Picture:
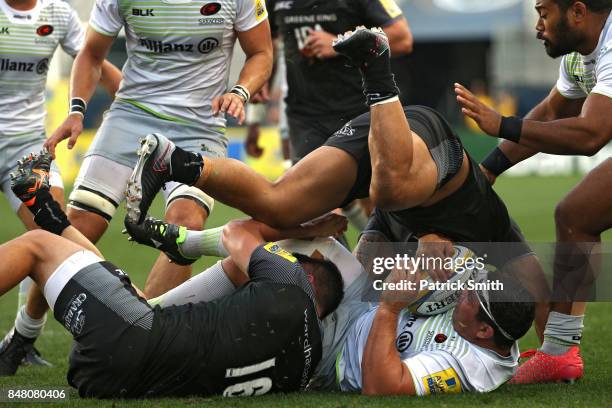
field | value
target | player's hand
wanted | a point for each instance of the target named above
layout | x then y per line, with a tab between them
396	300
263	95
231	104
330	224
252	139
490	176
434	249
319	43
71	128
487	119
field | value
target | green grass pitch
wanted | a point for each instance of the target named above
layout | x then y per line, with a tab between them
530	200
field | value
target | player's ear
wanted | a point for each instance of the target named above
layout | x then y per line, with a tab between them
485	331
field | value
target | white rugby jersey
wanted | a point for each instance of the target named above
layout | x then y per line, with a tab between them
439	359
28	40
579	75
179	52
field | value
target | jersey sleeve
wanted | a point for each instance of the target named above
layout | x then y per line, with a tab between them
380	13
566	85
272	263
249	13
75	35
105	18
604	72
435	372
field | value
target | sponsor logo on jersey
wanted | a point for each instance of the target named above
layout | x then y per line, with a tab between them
44	30
161	47
442	382
74	317
7	64
207	45
212	21
440	338
143	12
43	66
307	354
4	31
210	9
22	17
283	5
404	339
274	248
260	9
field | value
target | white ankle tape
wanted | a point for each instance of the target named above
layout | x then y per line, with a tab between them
393	99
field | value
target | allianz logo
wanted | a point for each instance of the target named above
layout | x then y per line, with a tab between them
205	46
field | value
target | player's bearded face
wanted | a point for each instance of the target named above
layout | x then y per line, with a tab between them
559	38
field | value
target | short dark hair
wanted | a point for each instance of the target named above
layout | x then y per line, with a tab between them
328	284
596	6
512	308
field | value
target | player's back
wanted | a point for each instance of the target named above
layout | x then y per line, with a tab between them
263	338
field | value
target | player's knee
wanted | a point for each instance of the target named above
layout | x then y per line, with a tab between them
186	213
36	239
90	201
566	216
190	193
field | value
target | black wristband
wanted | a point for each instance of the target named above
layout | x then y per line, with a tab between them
496	162
511	128
78	105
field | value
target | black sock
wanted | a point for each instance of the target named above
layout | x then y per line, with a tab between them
48	214
378	82
186	166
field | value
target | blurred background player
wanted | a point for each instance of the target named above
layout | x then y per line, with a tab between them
323	93
175	81
575	118
31	32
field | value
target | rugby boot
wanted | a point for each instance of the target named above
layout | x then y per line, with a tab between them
544	368
33	357
13	349
162	236
368	49
152	170
31	176
362	46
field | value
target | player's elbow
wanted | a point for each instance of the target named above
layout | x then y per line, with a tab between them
377	388
403	45
595	144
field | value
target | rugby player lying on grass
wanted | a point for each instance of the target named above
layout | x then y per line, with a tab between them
378	350
264	337
408	160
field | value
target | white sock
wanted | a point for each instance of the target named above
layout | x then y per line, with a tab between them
209	285
562	332
24	288
28	327
208	242
356	216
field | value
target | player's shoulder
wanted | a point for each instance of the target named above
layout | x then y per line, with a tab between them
60	5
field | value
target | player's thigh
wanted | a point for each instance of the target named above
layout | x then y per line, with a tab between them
589	205
318	183
100	186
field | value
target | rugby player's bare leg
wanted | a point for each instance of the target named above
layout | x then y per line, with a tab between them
90	224
318	183
36	254
165	275
580	218
36	305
